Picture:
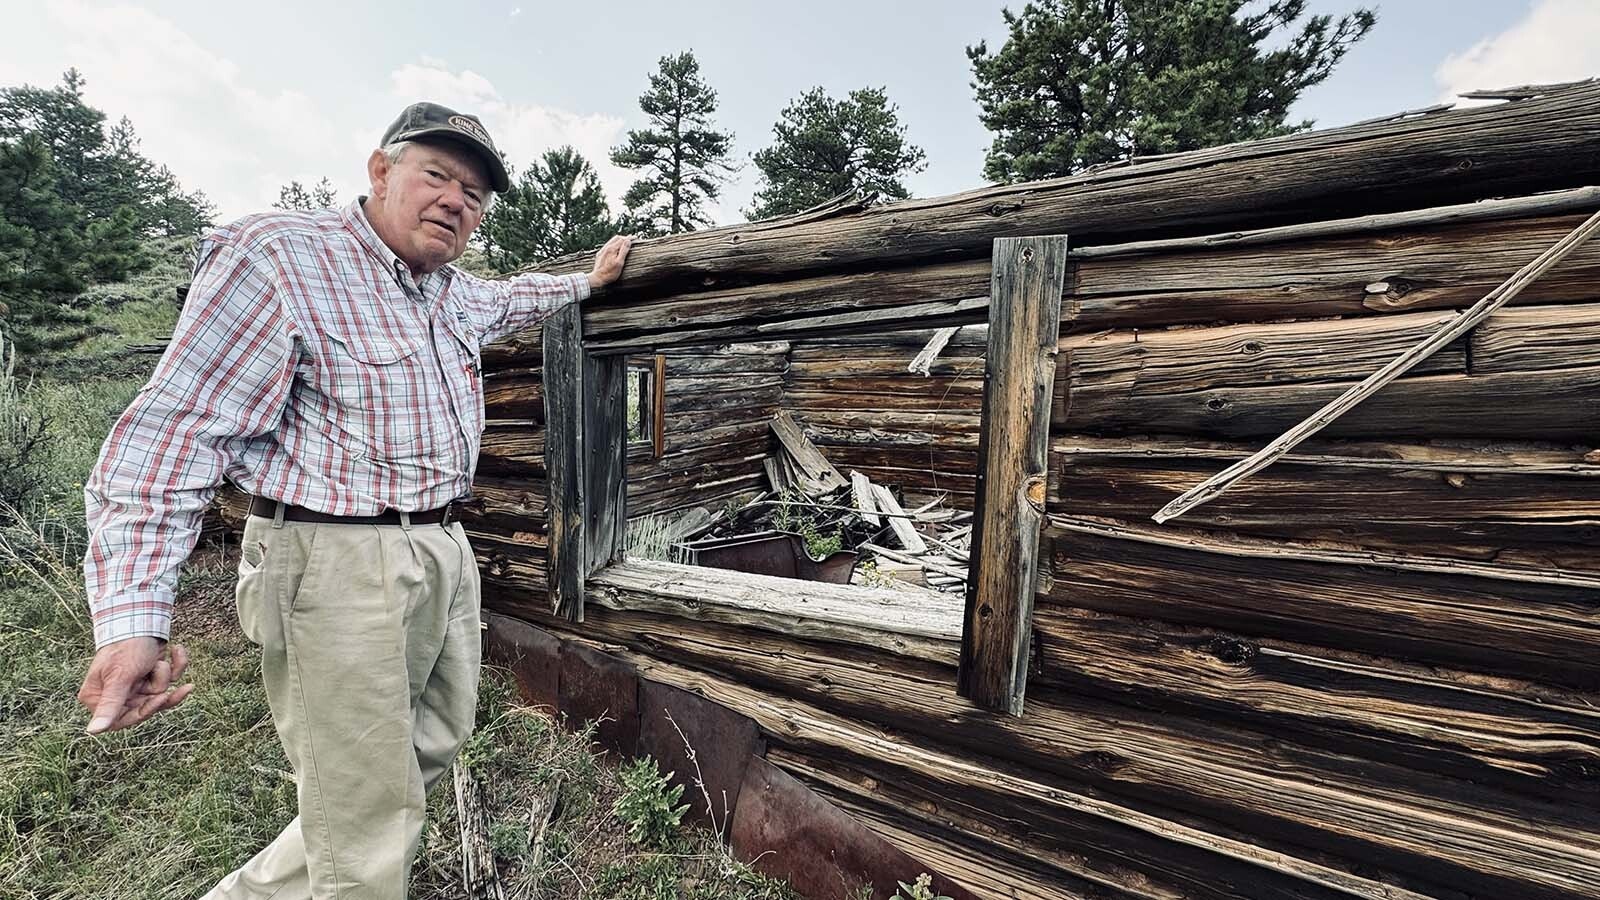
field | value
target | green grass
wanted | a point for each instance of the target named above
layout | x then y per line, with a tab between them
166	809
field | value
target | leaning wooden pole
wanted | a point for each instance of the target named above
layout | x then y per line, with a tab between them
1024	325
1500	296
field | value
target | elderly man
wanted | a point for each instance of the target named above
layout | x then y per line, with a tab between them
326	363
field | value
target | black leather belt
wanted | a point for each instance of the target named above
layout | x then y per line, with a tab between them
267	509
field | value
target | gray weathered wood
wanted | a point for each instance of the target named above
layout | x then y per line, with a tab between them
819	475
865	498
1405	362
604	448
898	520
1582	199
563	396
1515	148
1025	318
924	361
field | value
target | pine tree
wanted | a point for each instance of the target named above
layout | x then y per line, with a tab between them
825	147
556	207
294	195
1082	82
96	171
684	158
41	246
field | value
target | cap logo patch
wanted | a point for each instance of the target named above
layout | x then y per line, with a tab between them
462	123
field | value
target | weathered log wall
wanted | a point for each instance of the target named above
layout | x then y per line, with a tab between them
1401	616
718	401
862	407
1366	672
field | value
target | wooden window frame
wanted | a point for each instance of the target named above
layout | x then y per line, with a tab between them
652	404
586	456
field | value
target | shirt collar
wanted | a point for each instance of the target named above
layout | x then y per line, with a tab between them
354	217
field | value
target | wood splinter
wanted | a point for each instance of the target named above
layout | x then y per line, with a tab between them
1322	418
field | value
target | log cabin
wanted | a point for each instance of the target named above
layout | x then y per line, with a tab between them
1369	671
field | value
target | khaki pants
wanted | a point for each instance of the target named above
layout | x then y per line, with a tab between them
370	650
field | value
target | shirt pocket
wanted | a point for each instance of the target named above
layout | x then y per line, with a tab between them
378	386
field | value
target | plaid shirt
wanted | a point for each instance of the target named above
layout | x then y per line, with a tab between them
307	366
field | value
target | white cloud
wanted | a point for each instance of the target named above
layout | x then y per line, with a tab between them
197	113
522	131
516	11
1559	40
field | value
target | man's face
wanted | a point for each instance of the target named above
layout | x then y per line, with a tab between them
428	202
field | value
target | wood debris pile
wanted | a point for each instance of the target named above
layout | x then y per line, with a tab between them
830	514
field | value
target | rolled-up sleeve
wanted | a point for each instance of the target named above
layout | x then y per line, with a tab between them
225	377
499	308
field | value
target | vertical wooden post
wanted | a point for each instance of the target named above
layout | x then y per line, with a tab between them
585	450
658	407
1024	324
563	457
605	460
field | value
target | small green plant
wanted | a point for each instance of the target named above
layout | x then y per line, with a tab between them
872	576
921	889
510	840
819	545
648	804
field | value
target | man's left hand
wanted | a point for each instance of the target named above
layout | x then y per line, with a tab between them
608	262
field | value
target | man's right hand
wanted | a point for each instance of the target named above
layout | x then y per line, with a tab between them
131	680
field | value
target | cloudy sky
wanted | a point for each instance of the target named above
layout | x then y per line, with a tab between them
238	99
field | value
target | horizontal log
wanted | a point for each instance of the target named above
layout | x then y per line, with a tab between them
886	434
882	290
1584	200
1537	338
688	425
1455	156
766	397
950	422
1556	405
1471	516
712	495
802	402
512	565
524	348
1449	614
805	364
1065	839
1453	457
1359	275
1129	365
687	448
1463	837
1434	721
721	383
514	504
885	455
685	365
890	390
908	341
953	312
964	852
511	447
695	478
514	394
879	618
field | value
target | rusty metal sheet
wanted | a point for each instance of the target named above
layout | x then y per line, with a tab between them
532	654
782	828
724	742
600	688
